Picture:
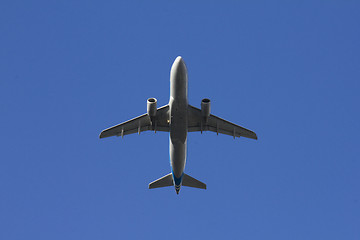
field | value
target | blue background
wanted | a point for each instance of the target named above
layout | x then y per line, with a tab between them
288	71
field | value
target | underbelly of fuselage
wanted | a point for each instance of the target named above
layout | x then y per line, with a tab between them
178	137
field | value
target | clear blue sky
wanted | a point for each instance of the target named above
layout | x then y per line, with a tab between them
288	71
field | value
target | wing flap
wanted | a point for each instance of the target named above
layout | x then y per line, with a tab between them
215	124
140	124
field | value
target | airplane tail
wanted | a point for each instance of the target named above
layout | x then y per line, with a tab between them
167	181
192	182
164	181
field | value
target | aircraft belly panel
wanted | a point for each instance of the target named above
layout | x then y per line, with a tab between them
177	157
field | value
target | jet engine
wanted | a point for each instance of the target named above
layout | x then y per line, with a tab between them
151	107
205	108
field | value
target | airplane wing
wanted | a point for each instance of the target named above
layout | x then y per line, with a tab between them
196	122
140	124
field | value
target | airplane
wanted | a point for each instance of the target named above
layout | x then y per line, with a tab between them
178	118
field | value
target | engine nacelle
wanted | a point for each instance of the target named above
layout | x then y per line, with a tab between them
151	107
205	108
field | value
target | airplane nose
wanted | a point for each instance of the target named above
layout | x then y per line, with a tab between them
179	64
179	59
178	78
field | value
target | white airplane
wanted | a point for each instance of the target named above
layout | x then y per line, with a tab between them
178	118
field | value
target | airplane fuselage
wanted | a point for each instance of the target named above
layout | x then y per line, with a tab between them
178	120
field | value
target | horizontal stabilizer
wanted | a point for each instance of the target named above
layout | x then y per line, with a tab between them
164	181
192	182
